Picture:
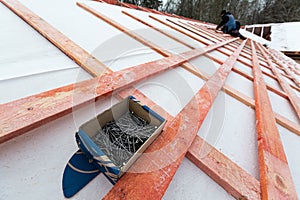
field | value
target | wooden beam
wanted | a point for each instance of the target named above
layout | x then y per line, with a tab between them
245	53
123	29
158	30
81	57
228	184
286	123
292	96
285	69
230	176
235	180
20	116
166	162
275	177
247	76
295	128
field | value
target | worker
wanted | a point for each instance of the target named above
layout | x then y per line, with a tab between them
229	26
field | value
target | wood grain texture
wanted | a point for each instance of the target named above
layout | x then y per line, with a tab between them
152	184
292	96
277	59
158	30
67	46
275	177
20	116
235	180
288	124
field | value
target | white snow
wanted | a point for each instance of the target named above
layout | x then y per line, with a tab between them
285	36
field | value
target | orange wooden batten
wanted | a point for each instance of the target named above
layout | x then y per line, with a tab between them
278	92
22	115
275	177
246	55
254	186
235	180
280	119
227	184
81	57
158	30
234	69
285	69
294	99
153	184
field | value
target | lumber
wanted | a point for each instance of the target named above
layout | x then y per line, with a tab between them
292	96
275	177
235	180
158	30
80	56
20	116
164	165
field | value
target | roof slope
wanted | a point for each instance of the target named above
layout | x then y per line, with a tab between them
207	84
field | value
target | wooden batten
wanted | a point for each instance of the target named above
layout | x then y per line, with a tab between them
275	177
292	96
134	185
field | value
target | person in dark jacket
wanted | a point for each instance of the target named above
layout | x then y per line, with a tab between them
229	26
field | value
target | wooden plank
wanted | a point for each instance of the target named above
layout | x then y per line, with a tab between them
238	194
249	77
20	116
235	180
293	127
158	30
81	57
288	124
277	60
230	176
123	29
292	96
198	39
153	183
275	177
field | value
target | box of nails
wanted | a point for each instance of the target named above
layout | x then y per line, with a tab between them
114	139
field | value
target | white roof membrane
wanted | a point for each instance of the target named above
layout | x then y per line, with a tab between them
244	85
171	90
282	106
291	145
230	128
30	64
32	165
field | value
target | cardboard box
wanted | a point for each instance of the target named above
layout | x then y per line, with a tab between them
105	140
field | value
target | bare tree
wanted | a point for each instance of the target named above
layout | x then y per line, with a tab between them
246	11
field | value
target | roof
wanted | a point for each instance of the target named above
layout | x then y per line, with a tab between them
65	54
283	35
